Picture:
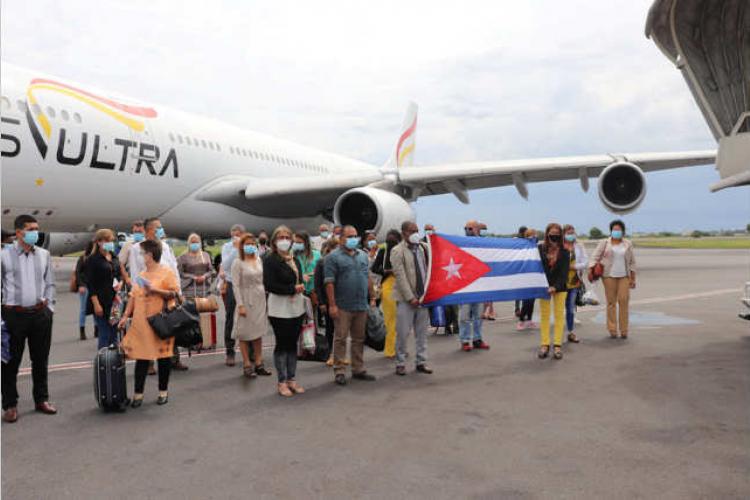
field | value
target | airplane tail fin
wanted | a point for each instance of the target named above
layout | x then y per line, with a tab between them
403	151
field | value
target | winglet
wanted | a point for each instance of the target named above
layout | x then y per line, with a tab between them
403	152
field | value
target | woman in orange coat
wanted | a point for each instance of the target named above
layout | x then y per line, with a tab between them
151	288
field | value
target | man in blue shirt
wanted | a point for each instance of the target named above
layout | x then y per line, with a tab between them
348	288
228	254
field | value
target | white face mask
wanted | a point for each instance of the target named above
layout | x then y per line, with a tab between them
283	244
414	238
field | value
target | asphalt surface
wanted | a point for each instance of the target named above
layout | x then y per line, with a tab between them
665	413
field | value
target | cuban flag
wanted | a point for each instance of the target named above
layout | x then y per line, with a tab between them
465	270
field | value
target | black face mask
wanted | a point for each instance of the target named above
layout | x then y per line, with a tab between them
554	238
391	243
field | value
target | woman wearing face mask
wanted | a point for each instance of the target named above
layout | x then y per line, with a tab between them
556	262
250	321
307	258
102	269
282	277
618	260
152	287
383	268
196	269
578	263
83	292
370	245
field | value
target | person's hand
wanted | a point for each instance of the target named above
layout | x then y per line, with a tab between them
200	279
333	312
551	290
305	278
98	310
414	302
117	287
121	324
82	290
632	284
299	288
242	311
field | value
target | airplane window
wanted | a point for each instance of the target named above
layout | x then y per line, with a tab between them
76	118
195	142
64	115
6	102
210	145
171	136
231	149
244	152
179	138
36	109
203	143
218	147
187	140
50	112
21	106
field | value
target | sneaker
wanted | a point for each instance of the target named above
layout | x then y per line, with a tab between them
466	347
481	344
521	326
401	370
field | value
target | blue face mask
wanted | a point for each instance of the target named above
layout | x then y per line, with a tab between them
482	232
108	246
325	235
570	237
371	244
31	237
160	233
138	237
249	249
352	242
616	234
194	247
429	232
298	247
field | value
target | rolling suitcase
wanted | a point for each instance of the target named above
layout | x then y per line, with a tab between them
208	330
110	387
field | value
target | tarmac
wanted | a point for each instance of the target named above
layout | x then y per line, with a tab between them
665	413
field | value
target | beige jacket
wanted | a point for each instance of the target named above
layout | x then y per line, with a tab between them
404	270
604	254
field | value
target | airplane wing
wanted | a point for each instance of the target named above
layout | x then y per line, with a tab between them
307	196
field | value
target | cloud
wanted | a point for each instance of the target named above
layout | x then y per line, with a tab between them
494	80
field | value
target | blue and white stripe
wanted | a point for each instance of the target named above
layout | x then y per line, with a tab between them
516	271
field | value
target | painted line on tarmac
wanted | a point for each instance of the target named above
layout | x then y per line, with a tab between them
77	365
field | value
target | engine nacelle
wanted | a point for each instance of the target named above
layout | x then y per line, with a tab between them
372	209
64	243
622	187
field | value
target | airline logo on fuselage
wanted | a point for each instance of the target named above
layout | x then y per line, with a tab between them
148	155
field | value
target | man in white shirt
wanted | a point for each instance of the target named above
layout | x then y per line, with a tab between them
154	231
28	298
124	255
323	235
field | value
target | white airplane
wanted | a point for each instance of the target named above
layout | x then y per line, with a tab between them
80	159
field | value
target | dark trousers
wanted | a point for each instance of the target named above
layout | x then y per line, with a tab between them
286	331
329	330
527	310
141	370
36	327
229	306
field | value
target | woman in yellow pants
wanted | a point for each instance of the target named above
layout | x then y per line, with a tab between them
382	266
556	263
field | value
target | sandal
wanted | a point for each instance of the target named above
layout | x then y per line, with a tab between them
572	337
248	372
557	353
543	352
261	370
284	390
295	387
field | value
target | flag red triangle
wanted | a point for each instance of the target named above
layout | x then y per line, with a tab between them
452	269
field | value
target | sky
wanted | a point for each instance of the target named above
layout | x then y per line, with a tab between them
494	80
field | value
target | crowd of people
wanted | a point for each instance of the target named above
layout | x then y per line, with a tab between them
286	281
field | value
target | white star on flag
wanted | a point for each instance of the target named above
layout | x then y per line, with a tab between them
453	270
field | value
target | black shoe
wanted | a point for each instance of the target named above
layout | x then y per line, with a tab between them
136	403
261	370
424	369
179	366
364	376
340	379
83	333
162	400
401	370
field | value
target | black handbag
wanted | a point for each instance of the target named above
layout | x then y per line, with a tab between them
579	297
168	322
190	338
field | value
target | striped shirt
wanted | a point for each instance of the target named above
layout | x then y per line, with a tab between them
27	278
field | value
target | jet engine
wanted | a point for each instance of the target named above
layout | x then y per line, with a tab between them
372	209
64	243
622	187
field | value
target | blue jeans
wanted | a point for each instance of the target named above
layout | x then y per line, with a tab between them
107	334
470	314
84	300
570	308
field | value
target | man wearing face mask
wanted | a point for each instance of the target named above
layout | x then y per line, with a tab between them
470	314
229	252
323	235
263	244
410	262
347	290
153	231
137	231
28	298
